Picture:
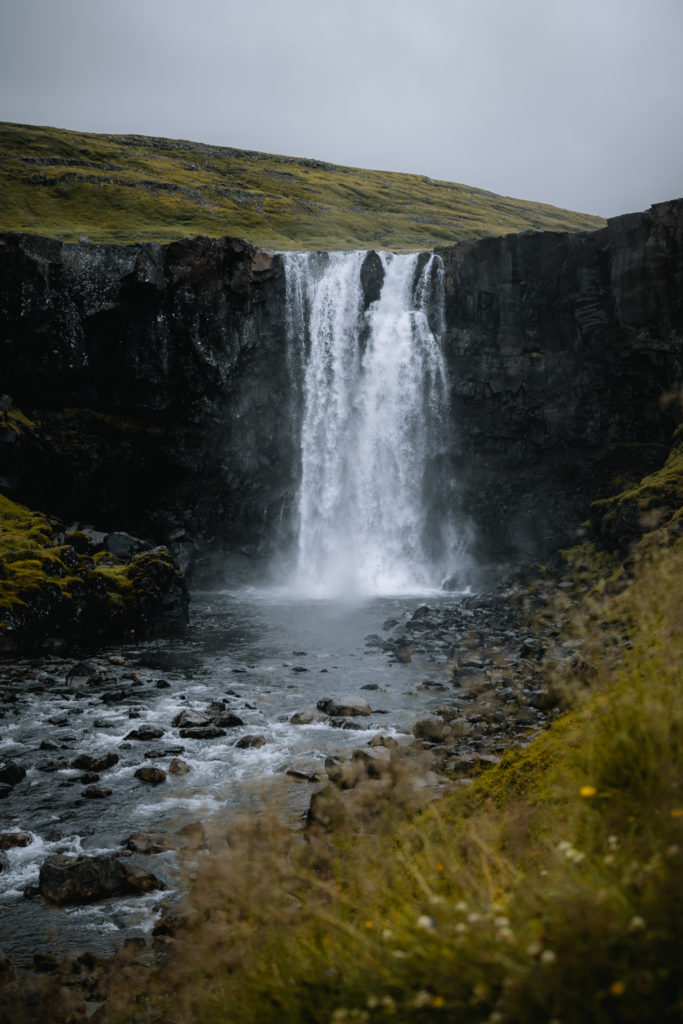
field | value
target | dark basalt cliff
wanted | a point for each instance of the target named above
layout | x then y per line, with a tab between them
565	356
155	384
157	395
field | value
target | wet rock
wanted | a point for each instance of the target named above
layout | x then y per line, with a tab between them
115	697
153	776
178	767
345	707
82	670
95	763
5	790
48	745
302	718
542	699
383	741
209	732
429	729
76	880
96	793
123	546
373	640
89	777
164	752
145	732
53	765
11	840
194	832
299	776
189	719
162	684
11	773
228	720
149	842
251	742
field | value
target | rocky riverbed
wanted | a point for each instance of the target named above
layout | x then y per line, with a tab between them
112	764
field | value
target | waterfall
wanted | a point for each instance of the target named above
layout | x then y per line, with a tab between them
372	389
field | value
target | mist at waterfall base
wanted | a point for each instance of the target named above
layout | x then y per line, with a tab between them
369	402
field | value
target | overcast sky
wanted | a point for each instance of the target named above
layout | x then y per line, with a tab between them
578	103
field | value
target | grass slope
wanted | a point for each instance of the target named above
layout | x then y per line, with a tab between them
129	188
550	890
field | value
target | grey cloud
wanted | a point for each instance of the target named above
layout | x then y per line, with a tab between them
575	103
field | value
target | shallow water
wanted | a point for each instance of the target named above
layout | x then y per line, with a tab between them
267	656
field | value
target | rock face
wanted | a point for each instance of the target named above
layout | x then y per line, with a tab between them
172	362
561	351
168	358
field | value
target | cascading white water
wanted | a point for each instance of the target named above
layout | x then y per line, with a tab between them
374	398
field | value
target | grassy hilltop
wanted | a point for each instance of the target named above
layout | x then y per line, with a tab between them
130	188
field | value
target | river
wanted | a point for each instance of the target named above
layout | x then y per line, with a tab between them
264	653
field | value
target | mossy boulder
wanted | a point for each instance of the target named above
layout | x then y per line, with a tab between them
55	589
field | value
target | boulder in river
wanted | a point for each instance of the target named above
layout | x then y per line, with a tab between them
11	773
178	766
189	719
348	706
302	718
10	840
153	776
207	732
149	842
94	763
96	793
145	732
65	879
228	720
251	742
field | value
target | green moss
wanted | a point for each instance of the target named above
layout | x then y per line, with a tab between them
129	188
657	497
48	587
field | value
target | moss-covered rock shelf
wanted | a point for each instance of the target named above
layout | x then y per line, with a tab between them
66	585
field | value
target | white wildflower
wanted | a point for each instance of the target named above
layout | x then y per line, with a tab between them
425	923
